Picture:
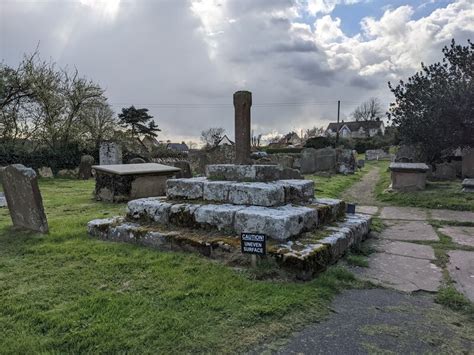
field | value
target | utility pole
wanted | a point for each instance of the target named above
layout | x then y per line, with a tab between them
337	132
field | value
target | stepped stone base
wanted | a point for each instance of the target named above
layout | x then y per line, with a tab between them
306	256
254	173
268	194
278	223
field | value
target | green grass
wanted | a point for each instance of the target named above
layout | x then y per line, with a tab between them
449	297
437	195
357	260
334	185
67	293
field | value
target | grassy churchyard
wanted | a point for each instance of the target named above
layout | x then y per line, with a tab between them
66	292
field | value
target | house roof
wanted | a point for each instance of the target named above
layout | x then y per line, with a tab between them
225	140
179	147
356	125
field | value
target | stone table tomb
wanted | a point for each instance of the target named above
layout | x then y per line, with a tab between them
408	176
118	183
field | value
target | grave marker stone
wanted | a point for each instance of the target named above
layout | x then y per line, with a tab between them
24	198
110	153
85	167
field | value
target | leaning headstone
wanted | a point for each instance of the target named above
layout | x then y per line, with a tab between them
45	172
307	161
360	163
468	163
24	198
110	153
85	167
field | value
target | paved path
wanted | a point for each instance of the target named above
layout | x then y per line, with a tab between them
362	192
402	262
384	321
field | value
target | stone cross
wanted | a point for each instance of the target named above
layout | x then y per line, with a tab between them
24	198
242	104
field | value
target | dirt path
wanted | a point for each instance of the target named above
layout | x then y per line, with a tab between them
363	192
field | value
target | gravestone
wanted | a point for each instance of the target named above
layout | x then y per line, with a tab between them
3	200
85	167
317	160
445	171
110	153
468	185
137	161
377	154
24	198
409	153
242	104
45	172
185	169
346	161
468	163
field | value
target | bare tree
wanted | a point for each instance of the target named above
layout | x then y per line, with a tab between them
212	136
370	110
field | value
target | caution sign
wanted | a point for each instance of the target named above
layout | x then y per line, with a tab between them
252	243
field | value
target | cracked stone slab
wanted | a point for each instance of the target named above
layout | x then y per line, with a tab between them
411	250
188	189
402	273
278	223
409	230
461	269
460	235
455	216
256	194
371	210
407	213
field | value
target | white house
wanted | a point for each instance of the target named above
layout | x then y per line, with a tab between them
356	129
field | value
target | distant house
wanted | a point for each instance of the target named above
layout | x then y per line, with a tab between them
150	143
225	141
356	129
178	147
289	139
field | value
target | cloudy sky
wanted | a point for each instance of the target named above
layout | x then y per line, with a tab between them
183	59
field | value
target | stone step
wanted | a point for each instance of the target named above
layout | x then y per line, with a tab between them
250	173
280	223
305	256
263	194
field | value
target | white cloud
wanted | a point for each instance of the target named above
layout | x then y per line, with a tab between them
315	7
200	51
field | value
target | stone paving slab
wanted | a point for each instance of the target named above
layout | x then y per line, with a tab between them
455	216
409	230
402	273
407	213
460	235
371	210
461	269
404	249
